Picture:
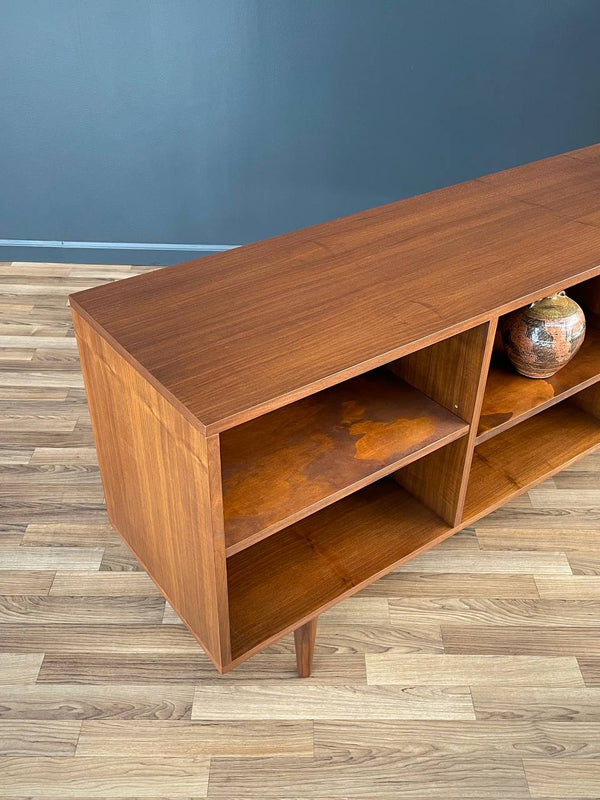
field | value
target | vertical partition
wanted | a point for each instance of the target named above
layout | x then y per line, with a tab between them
453	373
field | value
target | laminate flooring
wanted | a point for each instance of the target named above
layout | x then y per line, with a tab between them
471	672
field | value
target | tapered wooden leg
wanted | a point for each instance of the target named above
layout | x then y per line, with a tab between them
304	639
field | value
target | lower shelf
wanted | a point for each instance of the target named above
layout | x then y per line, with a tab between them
517	459
275	584
278	583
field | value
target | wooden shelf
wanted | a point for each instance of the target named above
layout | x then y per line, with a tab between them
247	427
302	570
285	465
514	461
510	398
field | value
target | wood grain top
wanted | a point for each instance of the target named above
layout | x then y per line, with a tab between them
230	336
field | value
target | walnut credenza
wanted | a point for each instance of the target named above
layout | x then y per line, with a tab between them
281	424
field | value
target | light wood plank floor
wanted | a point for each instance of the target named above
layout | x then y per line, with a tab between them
472	672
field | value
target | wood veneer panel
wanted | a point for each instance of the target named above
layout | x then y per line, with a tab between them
589	400
50	558
536	703
510	397
14	581
569	188
230	336
517	459
444	585
288	700
453	372
569	587
191	668
286	464
36	611
63	778
122	738
159	488
427	669
448	371
485	738
576	778
286	579
65	701
380	775
587	294
82	583
590	669
528	640
461	613
26	738
75	637
19	668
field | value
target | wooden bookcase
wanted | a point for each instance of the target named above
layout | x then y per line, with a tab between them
280	425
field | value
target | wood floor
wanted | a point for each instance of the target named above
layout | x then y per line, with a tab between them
472	672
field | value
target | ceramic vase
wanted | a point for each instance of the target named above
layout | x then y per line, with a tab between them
543	337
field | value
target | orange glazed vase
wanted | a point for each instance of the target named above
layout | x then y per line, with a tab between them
543	337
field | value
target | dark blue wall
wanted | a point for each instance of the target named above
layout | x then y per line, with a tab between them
225	121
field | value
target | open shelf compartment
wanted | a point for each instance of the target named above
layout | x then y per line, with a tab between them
285	465
297	573
519	458
511	398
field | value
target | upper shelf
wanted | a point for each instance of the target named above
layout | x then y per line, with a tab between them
286	464
510	397
231	336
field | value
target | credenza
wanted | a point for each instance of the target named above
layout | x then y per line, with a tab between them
281	424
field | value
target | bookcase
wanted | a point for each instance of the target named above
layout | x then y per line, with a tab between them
280	425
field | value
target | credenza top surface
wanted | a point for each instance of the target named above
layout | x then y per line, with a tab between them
232	335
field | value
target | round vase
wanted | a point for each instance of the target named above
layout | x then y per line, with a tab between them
543	337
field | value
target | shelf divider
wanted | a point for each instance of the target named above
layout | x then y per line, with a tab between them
453	372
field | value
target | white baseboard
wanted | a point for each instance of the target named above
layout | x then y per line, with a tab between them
210	248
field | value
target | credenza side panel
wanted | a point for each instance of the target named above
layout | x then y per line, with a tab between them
162	489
